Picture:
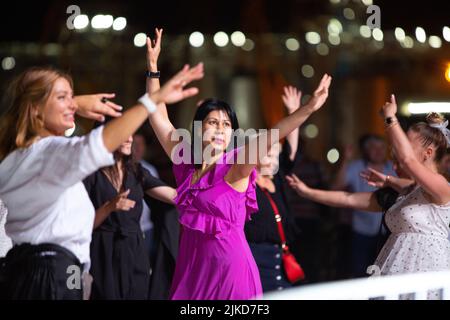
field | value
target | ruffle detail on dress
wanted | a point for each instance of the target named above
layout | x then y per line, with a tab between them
251	204
205	223
186	192
191	217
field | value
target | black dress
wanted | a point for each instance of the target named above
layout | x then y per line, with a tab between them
263	227
166	240
119	260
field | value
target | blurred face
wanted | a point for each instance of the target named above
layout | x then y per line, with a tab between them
58	113
376	151
139	147
270	163
125	147
397	168
422	153
217	130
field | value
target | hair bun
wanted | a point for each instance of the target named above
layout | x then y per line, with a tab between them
435	118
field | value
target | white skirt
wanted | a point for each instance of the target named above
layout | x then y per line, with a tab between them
412	253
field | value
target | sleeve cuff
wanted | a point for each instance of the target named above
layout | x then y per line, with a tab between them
103	156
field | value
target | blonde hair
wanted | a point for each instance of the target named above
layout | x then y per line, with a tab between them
19	126
435	118
430	135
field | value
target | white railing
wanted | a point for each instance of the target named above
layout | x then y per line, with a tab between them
393	287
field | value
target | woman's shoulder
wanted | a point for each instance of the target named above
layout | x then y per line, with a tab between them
96	179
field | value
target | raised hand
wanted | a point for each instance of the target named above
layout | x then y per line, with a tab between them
121	202
173	91
374	178
390	108
97	106
154	49
320	94
291	98
296	184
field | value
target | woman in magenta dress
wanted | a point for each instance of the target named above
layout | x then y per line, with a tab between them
214	260
216	195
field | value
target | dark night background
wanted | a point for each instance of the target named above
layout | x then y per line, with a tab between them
365	72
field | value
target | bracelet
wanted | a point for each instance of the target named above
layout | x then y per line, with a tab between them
390	121
393	123
148	103
387	178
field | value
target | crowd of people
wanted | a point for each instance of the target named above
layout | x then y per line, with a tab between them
228	230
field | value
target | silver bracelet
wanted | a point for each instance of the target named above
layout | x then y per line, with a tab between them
148	103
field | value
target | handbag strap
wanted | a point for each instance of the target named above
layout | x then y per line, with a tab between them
277	219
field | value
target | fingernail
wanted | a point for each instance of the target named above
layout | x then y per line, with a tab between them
120	107
102	119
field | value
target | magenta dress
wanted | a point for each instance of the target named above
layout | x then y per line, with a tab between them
214	260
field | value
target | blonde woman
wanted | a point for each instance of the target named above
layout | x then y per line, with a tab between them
50	216
419	219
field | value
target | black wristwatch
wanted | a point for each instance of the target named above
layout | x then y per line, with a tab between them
153	75
389	120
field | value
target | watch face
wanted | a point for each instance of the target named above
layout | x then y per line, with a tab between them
152	74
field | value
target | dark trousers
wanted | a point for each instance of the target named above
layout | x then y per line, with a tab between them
268	259
120	265
40	272
149	242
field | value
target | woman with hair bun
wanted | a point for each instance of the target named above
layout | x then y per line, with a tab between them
419	219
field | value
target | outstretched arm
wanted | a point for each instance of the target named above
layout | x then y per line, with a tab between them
163	193
161	124
153	51
160	121
433	183
291	99
118	130
378	179
365	201
239	173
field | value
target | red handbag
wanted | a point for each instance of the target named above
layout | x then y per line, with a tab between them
292	268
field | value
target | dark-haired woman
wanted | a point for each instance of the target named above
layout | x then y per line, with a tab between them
216	196
119	259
